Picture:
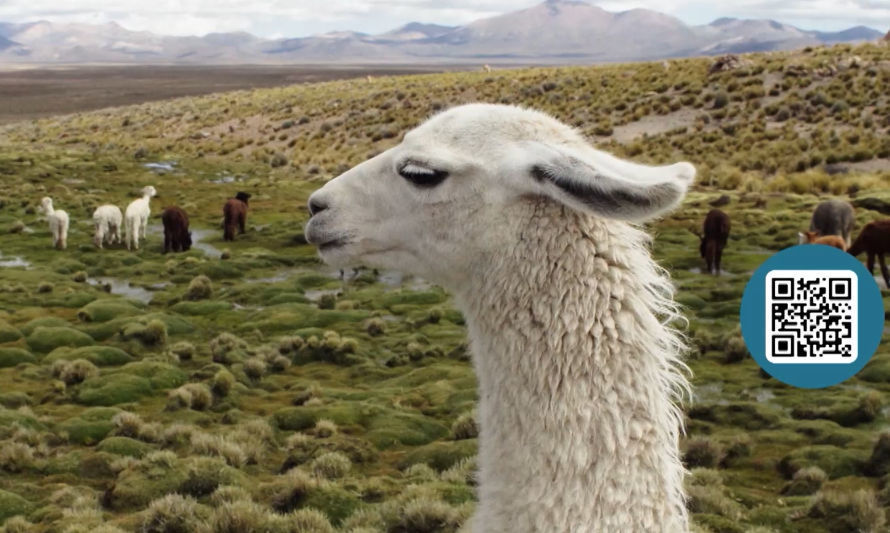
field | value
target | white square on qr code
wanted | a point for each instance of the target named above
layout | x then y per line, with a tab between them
811	316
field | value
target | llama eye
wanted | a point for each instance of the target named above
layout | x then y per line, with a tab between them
422	176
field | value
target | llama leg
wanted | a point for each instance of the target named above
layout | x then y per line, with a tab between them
167	242
242	218
871	263
884	271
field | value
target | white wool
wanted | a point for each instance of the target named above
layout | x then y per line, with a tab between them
534	231
58	223
136	218
107	220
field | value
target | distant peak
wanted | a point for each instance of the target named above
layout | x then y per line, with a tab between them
722	21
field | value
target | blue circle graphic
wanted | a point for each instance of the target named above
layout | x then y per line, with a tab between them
812	316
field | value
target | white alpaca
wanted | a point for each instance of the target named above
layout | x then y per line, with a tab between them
136	218
107	220
58	223
534	232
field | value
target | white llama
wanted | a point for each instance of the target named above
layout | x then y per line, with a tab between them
107	220
136	218
58	223
534	232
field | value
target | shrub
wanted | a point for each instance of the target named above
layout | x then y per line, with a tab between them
227	348
154	333
172	513
183	350
465	426
331	465
325	428
255	368
842	511
702	452
204	475
200	288
222	383
805	481
73	372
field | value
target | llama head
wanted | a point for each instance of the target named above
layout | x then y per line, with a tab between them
807	237
458	186
46	204
243	196
149	191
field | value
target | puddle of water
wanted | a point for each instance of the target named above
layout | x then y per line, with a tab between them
239	307
14	261
161	166
198	235
695	270
123	288
224	178
316	294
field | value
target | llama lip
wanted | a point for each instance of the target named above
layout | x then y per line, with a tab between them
330	245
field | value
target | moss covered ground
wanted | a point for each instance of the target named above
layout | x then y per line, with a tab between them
252	384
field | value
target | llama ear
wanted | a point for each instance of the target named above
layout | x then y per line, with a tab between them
593	181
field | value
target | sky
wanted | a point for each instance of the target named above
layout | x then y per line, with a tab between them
296	18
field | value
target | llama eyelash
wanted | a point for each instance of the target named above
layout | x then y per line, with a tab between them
421	176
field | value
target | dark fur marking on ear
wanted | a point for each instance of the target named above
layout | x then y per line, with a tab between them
597	197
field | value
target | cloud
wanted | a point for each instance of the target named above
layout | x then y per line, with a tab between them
303	17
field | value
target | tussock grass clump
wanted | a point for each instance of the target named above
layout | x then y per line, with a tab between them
229	494
325	428
734	349
842	511
216	445
45	287
79	277
255	368
421	514
154	333
200	288
222	383
420	472
204	475
465	427
331	465
173	513
74	372
238	517
289	492
878	463
15	456
375	326
184	350
304	521
702	452
17	524
177	434
226	348
463	471
127	424
195	396
805	481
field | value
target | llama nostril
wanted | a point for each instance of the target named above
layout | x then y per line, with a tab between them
316	206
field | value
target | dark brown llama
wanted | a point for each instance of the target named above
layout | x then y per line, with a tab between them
235	214
177	237
713	239
874	239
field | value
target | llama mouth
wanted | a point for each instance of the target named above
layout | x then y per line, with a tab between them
332	245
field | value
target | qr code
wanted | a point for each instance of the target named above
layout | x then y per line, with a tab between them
811	316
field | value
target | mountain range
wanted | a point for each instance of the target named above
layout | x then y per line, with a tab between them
556	31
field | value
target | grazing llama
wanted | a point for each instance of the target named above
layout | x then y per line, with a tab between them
832	217
136	218
107	220
715	233
812	237
177	237
235	215
874	239
535	233
58	223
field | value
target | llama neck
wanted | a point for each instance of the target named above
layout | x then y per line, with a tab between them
577	377
48	210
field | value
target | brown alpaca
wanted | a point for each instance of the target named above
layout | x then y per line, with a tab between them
874	239
713	240
813	237
177	237
235	213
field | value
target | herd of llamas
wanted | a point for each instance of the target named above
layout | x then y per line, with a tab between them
831	225
536	234
107	222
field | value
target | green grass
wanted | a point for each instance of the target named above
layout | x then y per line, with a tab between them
388	366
